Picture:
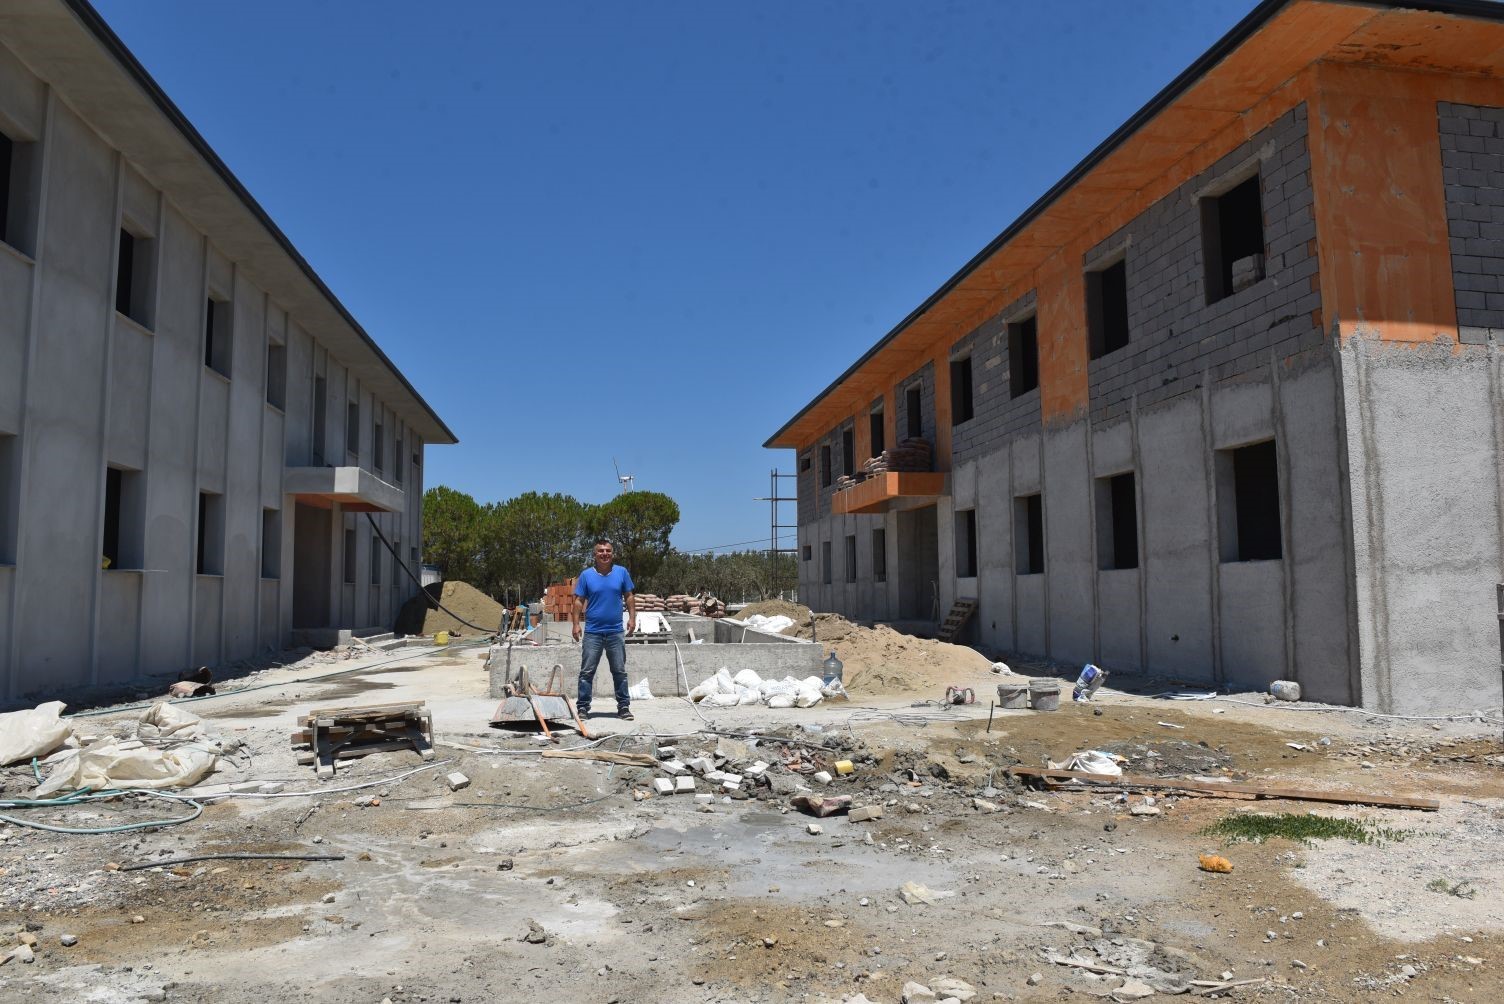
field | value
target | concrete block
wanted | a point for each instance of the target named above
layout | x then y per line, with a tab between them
865	813
731	779
756	771
684	784
821	777
663	785
456	781
673	768
716	776
704	799
667	752
701	765
729	785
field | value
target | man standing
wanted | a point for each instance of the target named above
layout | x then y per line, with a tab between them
599	593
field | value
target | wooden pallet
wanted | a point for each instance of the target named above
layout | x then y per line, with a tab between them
329	734
960	613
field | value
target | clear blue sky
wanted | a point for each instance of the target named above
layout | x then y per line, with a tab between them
652	231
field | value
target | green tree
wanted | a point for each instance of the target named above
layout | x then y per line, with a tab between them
537	538
639	524
452	532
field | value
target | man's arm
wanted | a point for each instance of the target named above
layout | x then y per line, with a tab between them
631	612
579	616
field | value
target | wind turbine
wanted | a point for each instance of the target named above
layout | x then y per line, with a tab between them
625	480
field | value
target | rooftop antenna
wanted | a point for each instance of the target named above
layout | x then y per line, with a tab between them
625	480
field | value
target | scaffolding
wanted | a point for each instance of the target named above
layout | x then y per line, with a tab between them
774	498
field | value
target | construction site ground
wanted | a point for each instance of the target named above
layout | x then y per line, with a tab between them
548	879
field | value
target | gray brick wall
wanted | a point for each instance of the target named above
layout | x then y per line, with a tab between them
1472	168
997	417
1175	335
925	375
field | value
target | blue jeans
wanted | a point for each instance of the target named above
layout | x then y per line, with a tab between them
615	647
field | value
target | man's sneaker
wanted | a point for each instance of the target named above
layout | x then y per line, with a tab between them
625	714
583	712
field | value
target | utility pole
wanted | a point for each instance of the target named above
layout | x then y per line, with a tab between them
773	499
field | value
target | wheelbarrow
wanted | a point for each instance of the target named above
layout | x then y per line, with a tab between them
525	703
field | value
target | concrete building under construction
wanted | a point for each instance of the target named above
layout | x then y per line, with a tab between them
192	427
1225	403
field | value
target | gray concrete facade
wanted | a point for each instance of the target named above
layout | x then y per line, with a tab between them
122	425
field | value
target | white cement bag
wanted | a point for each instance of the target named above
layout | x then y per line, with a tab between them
1092	762
811	683
785	700
747	678
775	624
703	691
748	695
640	691
34	733
128	764
722	700
808	697
166	721
723	681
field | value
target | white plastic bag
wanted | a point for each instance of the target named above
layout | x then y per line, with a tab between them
34	733
127	764
748	695
640	691
784	700
747	678
808	697
723	681
166	721
1091	762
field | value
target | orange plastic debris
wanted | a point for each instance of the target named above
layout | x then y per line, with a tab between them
1215	863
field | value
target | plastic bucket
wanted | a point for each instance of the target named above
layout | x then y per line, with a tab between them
1012	696
1044	695
441	638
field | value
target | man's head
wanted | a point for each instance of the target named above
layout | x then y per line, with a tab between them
604	551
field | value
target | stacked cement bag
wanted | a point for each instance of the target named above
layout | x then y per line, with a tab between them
726	691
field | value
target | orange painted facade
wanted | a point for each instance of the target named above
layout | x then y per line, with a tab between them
1370	76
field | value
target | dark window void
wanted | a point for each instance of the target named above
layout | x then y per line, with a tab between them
880	555
960	391
399	461
804	463
7	160
271	544
1248	495
211	533
217	334
1232	239
848	452
378	446
808	552
110	547
913	407
1107	308
1028	534
320	419
878	434
966	543
350	556
1023	356
10	496
375	564
276	376
397	573
125	264
851	557
352	428
18	193
825	561
1117	522
134	264
825	476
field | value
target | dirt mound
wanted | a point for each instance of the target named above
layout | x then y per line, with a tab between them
418	616
777	608
879	660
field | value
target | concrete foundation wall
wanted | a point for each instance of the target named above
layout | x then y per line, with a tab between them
84	388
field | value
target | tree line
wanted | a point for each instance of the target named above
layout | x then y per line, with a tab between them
512	549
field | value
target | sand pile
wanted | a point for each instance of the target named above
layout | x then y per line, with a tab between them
879	660
419	617
797	612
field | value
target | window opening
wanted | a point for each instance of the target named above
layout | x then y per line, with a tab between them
1028	534
276	376
875	421
1117	522
1107	308
211	533
1023	356
913	403
880	555
1248	497
960	391
1232	239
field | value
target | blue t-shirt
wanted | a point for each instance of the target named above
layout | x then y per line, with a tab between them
603	598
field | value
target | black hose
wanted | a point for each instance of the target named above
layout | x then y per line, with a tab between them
421	590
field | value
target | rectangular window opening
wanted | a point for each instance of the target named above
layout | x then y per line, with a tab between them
913	408
10	497
825	561
848	452
376	551
218	323
1248	503
134	276
851	557
878	433
276	376
1023	356
352	428
320	419
350	556
399	461
211	533
961	400
271	544
18	193
1117	522
1232	239
966	543
1028	534
804	463
124	520
808	552
825	476
1107	308
880	555
378	447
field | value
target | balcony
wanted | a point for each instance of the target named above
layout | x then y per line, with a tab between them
355	489
891	491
